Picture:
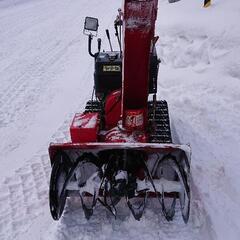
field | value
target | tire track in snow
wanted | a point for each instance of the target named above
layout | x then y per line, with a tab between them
21	89
23	195
32	74
25	84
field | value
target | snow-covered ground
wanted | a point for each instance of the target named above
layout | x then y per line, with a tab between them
46	76
200	78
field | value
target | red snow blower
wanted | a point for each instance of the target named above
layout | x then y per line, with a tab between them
121	145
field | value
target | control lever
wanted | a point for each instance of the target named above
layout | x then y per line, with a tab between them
90	37
99	44
109	39
118	38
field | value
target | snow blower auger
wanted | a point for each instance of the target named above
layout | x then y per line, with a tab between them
121	145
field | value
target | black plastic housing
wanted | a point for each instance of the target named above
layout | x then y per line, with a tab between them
108	72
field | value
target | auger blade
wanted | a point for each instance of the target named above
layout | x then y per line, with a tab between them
175	172
88	208
111	171
57	192
168	211
137	205
88	177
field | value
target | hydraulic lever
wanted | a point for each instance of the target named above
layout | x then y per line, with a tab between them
118	38
99	44
109	39
119	22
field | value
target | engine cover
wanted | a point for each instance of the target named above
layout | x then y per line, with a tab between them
108	72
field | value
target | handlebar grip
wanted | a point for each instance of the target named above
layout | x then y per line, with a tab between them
107	32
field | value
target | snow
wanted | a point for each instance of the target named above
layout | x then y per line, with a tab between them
85	122
162	185
203	96
47	76
136	21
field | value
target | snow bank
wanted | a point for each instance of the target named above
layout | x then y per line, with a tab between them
200	77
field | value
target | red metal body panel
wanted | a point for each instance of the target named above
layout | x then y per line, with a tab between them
134	119
112	109
139	25
84	127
